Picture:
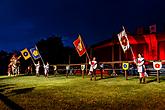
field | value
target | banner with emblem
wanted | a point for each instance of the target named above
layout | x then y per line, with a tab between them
125	66
123	39
34	52
79	45
82	67
157	65
25	53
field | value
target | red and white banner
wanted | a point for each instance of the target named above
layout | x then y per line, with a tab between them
79	45
157	65
152	28
123	39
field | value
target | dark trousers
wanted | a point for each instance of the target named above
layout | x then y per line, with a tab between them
93	73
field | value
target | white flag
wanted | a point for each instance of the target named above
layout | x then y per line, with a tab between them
123	39
157	65
152	28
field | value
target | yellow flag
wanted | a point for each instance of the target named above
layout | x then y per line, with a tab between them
25	53
125	66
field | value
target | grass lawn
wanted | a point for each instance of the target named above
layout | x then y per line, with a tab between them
54	93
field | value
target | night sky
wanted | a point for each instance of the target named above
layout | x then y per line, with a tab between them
23	22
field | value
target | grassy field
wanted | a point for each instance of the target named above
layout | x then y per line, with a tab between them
54	93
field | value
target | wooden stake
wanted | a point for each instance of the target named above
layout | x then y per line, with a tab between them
158	80
125	75
86	66
83	74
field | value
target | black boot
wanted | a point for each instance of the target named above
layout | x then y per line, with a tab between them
144	80
95	77
91	77
140	80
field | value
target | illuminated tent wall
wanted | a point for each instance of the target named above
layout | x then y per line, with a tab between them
151	46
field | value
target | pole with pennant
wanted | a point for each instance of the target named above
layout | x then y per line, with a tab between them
129	45
87	58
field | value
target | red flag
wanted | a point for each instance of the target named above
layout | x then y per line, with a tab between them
79	45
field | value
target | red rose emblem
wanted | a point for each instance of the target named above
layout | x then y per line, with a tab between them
124	40
157	65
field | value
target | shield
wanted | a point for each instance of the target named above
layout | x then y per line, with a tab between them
82	67
125	66
157	65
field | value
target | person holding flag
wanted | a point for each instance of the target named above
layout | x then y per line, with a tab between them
46	69
92	70
36	55
10	66
141	68
37	68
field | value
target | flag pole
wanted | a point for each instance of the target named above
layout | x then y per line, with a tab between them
40	55
87	55
85	48
33	60
132	52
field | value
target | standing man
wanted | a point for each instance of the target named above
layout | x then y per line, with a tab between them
11	65
46	69
37	68
92	70
140	67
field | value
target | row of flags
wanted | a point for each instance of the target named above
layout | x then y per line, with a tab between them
33	52
79	45
122	36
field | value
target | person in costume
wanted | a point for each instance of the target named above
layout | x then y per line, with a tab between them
12	63
37	68
141	68
13	67
92	70
17	65
46	69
